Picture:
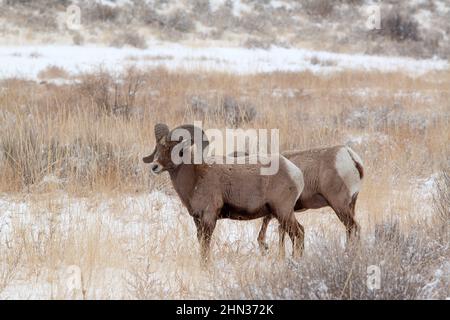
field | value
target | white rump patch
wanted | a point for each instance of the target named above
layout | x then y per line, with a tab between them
347	170
296	175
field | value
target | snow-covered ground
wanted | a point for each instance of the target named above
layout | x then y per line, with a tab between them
28	61
154	210
135	222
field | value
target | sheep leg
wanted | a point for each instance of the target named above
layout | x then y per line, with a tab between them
205	227
289	224
263	247
281	234
199	230
344	208
354	231
346	216
297	234
301	239
281	248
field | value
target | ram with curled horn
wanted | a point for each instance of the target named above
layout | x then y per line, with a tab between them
211	191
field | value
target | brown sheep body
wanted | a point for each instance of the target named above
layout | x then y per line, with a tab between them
332	177
235	191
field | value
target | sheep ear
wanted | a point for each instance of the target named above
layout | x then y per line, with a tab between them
161	132
149	158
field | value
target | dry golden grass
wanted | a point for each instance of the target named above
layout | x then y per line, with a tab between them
93	134
83	143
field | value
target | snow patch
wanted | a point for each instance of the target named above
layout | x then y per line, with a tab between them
278	4
28	61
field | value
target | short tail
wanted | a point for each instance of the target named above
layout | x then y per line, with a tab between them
357	161
353	202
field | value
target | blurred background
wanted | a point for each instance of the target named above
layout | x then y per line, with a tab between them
408	28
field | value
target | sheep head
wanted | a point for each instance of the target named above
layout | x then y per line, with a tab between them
172	145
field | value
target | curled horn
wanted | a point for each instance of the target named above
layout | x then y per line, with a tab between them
161	131
192	130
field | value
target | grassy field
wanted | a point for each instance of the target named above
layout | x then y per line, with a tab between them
74	191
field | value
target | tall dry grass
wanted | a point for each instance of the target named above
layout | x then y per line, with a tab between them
62	145
95	132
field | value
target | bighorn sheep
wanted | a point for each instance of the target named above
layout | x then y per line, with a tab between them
332	177
216	191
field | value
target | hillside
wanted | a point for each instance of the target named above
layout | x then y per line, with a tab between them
413	28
